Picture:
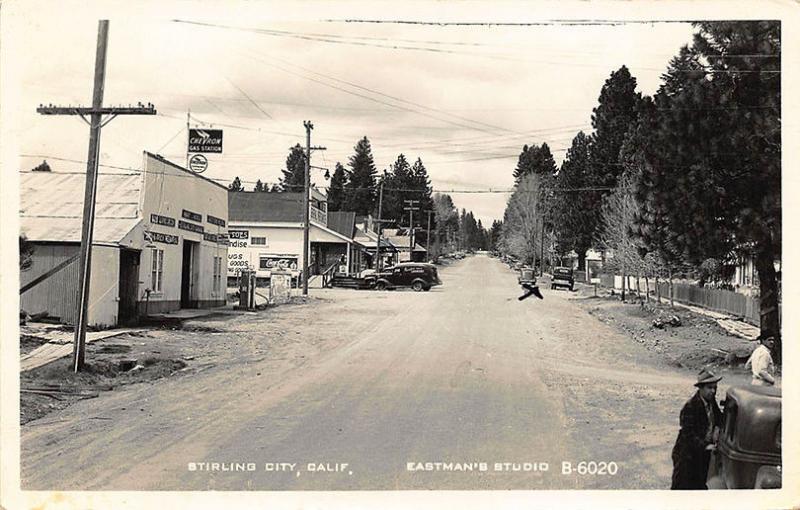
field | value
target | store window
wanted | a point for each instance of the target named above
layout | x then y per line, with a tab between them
157	272
217	279
258	241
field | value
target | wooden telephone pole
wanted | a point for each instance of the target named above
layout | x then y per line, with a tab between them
306	196
96	122
428	237
411	208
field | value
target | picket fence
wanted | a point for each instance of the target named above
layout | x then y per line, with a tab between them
723	301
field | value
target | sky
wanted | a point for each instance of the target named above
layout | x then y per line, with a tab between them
463	98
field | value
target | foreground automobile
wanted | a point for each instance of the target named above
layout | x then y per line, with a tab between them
748	452
416	275
563	277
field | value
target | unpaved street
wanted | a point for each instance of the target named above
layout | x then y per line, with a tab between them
360	389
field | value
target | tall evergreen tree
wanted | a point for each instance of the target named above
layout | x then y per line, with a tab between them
336	190
573	216
422	183
294	174
714	150
360	190
614	115
236	185
397	185
535	159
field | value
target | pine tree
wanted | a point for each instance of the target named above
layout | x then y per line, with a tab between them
573	216
336	190
614	115
294	174
360	190
397	185
421	183
259	186
236	185
535	159
713	153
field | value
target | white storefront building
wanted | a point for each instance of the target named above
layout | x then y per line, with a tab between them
266	234
159	242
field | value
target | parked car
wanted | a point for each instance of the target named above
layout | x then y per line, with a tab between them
563	277
416	275
748	453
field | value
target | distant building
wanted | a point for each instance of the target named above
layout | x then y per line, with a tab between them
266	234
366	236
159	242
400	239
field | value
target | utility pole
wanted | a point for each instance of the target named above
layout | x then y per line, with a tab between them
306	196
96	112
379	220
428	240
411	208
188	131
541	251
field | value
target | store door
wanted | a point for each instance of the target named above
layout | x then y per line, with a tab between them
128	285
187	275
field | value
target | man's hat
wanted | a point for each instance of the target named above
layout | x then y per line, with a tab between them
706	376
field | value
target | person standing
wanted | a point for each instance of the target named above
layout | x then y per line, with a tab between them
700	421
760	363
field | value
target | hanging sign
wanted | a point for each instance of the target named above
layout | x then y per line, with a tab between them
185	225
160	238
205	140
189	215
162	220
198	163
215	221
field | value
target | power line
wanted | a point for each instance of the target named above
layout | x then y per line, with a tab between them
250	99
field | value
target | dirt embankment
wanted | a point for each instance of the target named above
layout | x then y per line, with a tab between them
683	338
119	361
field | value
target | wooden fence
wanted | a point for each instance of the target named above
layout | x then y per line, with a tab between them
723	301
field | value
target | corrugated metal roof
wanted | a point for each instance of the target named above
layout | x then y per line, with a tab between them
51	206
343	222
265	206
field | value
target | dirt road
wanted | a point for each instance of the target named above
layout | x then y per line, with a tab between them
462	387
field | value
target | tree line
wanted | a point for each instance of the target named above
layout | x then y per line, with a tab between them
683	182
361	189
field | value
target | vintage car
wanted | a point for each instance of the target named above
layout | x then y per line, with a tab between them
563	277
416	275
748	451
526	275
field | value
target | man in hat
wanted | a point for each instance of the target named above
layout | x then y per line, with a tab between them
700	421
761	364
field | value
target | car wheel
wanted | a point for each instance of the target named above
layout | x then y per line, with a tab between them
380	286
417	286
426	289
571	288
